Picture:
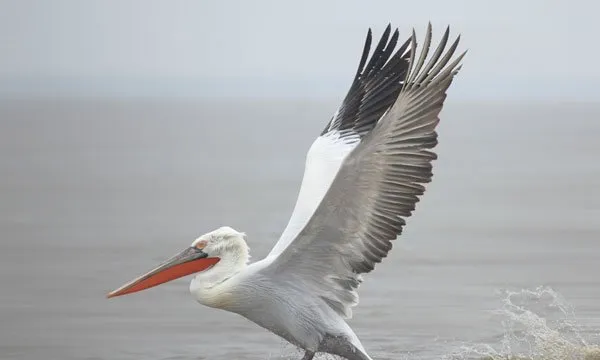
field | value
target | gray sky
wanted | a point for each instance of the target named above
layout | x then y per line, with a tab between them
517	49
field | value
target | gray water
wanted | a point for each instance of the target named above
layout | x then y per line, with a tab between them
503	250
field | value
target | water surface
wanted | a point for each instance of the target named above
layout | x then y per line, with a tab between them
95	192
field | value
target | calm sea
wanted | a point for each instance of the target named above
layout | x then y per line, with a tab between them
501	259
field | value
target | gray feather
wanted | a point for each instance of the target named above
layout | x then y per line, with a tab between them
379	183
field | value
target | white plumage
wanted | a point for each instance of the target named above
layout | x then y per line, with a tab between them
363	176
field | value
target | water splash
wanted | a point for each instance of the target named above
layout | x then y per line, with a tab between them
538	325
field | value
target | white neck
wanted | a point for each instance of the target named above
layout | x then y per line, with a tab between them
213	287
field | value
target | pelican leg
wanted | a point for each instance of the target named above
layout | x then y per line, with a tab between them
308	355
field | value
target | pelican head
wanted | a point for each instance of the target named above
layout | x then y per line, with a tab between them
214	257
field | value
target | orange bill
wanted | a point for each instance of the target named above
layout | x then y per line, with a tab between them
189	261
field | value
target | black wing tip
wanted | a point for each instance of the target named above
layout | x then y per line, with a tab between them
383	73
365	54
376	63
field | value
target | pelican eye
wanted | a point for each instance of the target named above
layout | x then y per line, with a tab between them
201	244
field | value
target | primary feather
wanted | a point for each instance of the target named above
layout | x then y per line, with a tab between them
366	171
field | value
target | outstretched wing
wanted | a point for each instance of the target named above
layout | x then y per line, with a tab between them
376	187
373	91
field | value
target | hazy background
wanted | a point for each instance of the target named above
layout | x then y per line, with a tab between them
127	129
518	49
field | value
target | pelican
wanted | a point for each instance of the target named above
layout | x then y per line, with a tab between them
363	176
